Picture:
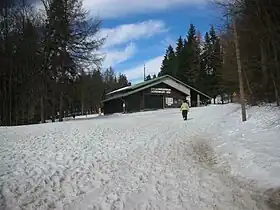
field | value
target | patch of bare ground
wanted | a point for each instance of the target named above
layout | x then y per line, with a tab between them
242	190
204	153
272	198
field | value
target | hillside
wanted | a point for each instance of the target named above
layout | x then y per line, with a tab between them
148	160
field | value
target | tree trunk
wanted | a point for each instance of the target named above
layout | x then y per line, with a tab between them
4	110
42	109
263	64
239	68
53	107
273	77
17	112
23	115
53	111
31	112
231	98
276	92
82	103
251	99
61	112
10	93
5	118
271	32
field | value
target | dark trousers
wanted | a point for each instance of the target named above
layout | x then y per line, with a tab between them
185	114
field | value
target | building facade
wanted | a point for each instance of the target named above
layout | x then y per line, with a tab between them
159	93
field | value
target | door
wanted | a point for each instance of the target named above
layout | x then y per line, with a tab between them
153	102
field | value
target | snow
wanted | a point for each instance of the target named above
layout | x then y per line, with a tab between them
147	160
255	144
119	90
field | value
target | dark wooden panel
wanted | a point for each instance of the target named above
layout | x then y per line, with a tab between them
133	102
113	106
153	102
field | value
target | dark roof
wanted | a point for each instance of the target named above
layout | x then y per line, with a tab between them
138	85
146	84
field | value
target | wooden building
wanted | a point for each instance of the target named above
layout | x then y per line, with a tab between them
159	93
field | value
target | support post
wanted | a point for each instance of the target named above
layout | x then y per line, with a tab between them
239	68
198	100
123	106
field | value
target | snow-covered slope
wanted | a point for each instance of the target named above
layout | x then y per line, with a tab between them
149	160
252	148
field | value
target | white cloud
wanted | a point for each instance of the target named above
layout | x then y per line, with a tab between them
116	56
131	32
117	8
124	34
137	73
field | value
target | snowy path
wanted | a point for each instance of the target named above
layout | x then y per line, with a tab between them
150	160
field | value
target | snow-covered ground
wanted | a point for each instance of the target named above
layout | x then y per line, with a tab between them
148	160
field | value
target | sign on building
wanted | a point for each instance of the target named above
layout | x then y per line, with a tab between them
161	90
169	101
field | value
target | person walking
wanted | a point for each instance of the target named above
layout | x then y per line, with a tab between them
185	109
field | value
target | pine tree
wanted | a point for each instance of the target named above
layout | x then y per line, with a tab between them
182	63
213	37
122	81
179	47
164	69
96	91
206	69
110	81
206	55
179	56
216	63
211	63
169	63
69	47
191	35
148	77
191	55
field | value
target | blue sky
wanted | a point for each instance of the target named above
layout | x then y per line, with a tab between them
139	31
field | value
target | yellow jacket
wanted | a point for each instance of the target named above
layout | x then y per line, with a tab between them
184	106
